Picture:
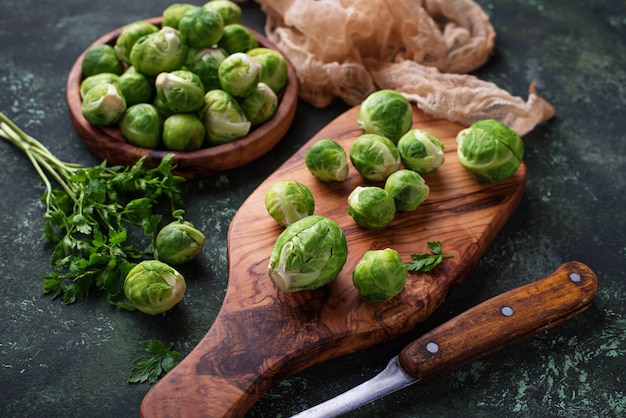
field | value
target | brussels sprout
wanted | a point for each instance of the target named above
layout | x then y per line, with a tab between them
103	104
420	151
180	91
375	157
327	161
239	74
229	10
183	132
223	118
178	242
135	87
371	207
141	125
153	287
379	275
129	35
308	254
101	59
274	68
386	113
174	12
237	38
158	52
289	201
205	64
490	150
260	105
201	28
101	78
407	188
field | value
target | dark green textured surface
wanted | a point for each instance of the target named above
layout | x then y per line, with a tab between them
73	361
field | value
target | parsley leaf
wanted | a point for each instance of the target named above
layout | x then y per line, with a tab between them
161	359
425	262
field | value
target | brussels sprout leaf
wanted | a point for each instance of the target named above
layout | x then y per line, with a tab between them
425	262
161	359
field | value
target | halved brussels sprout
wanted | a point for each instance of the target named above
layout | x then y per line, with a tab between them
141	125
178	242
371	207
308	254
180	91
223	118
289	201
101	59
101	78
158	52
183	132
174	12
135	87
129	35
407	188
205	64
327	161
380	275
153	287
386	113
260	105
229	10
375	157
490	150
201	28
420	151
274	68
237	38
103	105
239	74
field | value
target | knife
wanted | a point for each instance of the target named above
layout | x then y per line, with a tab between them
484	329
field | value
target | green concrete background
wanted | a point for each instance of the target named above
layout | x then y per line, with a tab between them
73	361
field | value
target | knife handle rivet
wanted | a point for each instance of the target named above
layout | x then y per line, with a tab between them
506	311
575	277
432	347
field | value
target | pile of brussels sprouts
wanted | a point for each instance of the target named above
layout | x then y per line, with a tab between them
199	80
312	249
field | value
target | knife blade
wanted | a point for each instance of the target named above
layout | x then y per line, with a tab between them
482	330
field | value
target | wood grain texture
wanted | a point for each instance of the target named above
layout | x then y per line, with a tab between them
262	335
107	142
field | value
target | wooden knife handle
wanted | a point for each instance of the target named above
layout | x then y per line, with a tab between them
501	321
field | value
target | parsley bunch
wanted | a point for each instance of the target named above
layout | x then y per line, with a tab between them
161	359
89	218
427	261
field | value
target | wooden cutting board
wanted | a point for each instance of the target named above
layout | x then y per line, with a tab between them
262	335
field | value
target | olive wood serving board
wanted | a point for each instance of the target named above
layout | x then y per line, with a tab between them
262	335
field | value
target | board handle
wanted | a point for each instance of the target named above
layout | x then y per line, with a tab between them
501	321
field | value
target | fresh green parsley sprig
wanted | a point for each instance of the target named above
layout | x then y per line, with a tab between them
425	262
161	359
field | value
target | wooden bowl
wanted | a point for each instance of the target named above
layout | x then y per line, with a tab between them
108	144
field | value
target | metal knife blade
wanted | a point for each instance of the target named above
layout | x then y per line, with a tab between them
488	327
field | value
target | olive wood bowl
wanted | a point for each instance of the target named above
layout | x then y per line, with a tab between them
108	144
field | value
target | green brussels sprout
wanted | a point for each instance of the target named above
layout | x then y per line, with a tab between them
164	111
223	118
289	201
327	161
371	207
178	242
205	63
201	28
490	150
407	188
135	87
379	275
386	113
183	132
239	74
174	12
101	78
101	59
153	287
420	151
158	52
308	254
375	157
274	68
237	38
129	35
260	105
180	91
103	105
229	10
141	125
